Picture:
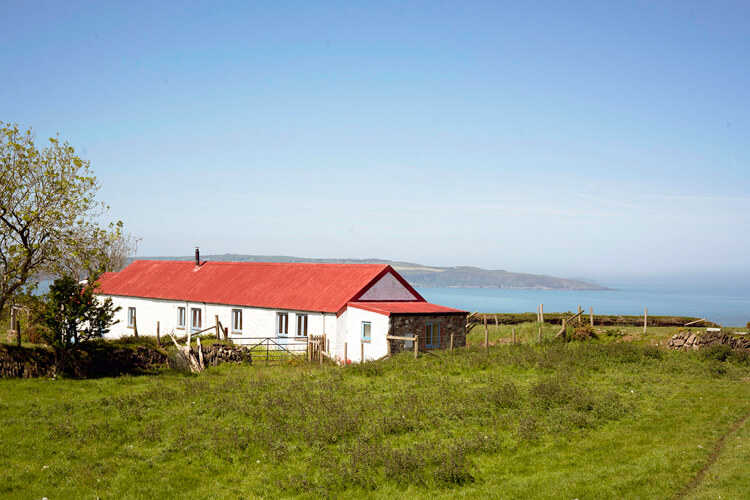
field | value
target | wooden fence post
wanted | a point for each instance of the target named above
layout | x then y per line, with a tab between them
564	329
309	351
416	346
541	313
580	310
135	325
451	343
362	352
158	337
645	319
346	355
514	336
218	330
540	334
486	334
591	316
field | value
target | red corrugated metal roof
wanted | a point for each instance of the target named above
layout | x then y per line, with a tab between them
388	308
305	287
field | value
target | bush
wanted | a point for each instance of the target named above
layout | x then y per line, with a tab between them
717	352
583	332
504	396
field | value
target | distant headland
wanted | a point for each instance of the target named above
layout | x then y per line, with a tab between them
420	275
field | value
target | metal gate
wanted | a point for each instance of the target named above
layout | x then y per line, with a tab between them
276	349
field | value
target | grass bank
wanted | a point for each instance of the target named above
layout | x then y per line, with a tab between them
591	420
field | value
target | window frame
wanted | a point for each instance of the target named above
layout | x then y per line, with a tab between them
193	327
429	339
131	317
236	313
282	318
181	317
305	318
362	336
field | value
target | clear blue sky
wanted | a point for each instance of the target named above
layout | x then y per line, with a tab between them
581	139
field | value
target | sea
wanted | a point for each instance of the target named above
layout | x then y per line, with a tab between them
725	305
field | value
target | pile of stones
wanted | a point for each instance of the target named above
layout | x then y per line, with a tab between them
214	354
689	340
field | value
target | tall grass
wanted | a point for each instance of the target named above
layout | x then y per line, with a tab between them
546	420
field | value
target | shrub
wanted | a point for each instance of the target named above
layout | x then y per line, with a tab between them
716	368
503	396
582	332
653	352
740	356
527	428
717	352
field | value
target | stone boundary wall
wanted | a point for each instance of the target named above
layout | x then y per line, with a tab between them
688	340
407	325
101	359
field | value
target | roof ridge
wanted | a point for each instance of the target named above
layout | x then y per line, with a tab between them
227	262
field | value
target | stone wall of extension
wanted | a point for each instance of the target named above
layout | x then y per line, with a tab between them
689	340
406	325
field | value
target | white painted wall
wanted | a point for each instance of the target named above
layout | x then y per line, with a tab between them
378	345
388	288
256	322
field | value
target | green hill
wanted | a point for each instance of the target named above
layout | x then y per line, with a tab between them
429	276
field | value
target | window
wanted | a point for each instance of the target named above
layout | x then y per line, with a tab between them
180	317
282	323
366	331
302	325
236	320
432	334
196	323
131	317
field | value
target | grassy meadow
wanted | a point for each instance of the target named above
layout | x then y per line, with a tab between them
578	420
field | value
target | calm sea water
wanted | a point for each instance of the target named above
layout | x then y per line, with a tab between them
729	306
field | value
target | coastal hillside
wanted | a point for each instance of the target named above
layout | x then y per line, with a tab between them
429	276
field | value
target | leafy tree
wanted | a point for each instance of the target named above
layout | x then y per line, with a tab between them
72	314
48	215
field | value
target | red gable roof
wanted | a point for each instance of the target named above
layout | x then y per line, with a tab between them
388	308
304	287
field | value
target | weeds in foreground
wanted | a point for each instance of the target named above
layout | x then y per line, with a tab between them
427	425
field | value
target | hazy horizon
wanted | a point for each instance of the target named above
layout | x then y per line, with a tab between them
601	141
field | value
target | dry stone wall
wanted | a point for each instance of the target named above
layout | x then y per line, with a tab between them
689	340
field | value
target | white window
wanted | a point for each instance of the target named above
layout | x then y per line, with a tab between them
366	331
131	317
195	316
282	323
237	320
302	325
180	317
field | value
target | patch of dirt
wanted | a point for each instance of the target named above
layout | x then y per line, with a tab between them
712	458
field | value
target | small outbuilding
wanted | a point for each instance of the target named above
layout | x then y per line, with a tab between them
356	306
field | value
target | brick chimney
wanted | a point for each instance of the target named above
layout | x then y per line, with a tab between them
197	257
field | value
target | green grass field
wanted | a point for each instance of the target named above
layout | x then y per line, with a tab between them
589	420
529	332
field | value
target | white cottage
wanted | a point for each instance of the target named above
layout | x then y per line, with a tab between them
353	304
